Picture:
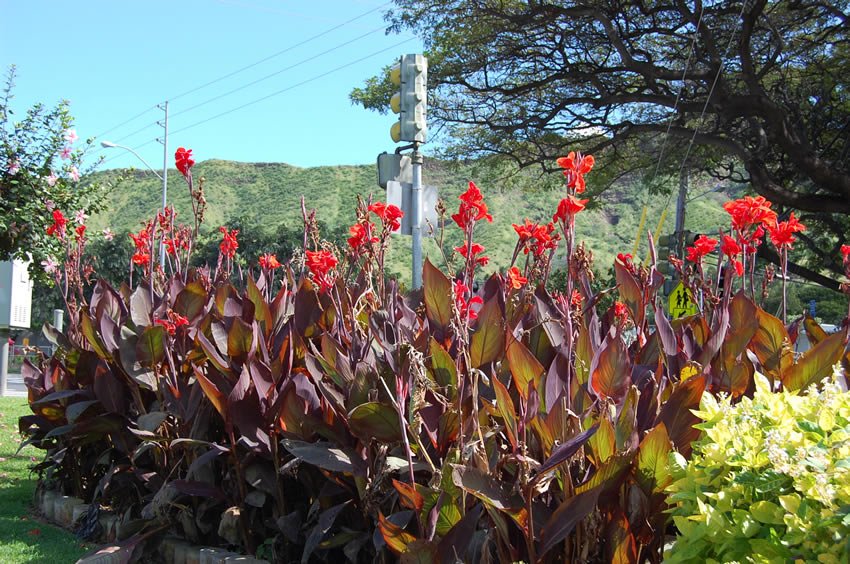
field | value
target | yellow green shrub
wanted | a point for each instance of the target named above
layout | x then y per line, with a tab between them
769	481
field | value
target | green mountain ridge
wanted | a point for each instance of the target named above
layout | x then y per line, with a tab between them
264	196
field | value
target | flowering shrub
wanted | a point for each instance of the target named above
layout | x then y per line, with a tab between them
769	481
327	415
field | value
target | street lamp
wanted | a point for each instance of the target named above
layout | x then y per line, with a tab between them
162	178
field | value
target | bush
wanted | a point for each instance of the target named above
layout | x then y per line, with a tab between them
769	481
311	410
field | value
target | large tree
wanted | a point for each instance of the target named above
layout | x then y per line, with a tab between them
759	88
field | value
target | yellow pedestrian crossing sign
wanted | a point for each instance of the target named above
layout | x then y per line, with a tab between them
681	302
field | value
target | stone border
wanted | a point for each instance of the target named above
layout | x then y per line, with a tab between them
65	511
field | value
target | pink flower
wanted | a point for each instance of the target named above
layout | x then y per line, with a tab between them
71	135
80	217
51	180
49	265
49	205
74	174
14	166
108	234
66	153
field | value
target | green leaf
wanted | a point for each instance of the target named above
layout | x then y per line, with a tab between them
262	313
437	294
610	373
525	369
603	443
373	420
610	474
240	339
505	407
767	512
324	455
652	472
443	367
816	363
91	335
566	517
191	300
771	344
150	349
487	342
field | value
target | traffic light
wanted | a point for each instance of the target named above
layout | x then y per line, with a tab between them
410	74
663	252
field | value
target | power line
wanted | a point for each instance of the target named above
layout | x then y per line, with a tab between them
272	56
711	90
242	69
288	88
276	93
290	67
114	127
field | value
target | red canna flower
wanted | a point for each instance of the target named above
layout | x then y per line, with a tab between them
568	208
81	232
515	279
575	167
782	234
464	306
525	231
702	247
173	322
749	212
360	236
739	267
390	214
476	250
269	262
621	312
576	299
59	223
228	244
472	208
626	260
730	247
845	252
142	242
320	264
183	160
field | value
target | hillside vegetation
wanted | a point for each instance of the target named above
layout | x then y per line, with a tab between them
264	196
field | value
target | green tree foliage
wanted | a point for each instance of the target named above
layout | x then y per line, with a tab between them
532	80
40	169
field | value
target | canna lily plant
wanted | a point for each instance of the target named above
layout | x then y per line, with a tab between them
312	410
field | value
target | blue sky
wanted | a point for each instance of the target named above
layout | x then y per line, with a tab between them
115	60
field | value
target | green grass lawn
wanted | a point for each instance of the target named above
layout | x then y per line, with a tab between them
22	537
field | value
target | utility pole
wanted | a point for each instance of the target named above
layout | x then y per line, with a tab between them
679	232
416	160
164	141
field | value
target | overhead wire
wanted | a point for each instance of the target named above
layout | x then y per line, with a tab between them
643	218
268	76
286	50
271	95
704	109
242	69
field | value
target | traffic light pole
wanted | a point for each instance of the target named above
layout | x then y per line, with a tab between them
680	214
416	215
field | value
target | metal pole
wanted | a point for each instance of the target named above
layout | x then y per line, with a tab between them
58	322
416	219
4	363
164	180
680	214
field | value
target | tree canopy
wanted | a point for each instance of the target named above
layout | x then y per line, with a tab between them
41	172
753	92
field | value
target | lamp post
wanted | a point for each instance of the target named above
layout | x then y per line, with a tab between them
162	178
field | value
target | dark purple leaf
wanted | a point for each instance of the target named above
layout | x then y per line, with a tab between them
566	517
564	451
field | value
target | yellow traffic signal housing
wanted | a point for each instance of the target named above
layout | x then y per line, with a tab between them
410	74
